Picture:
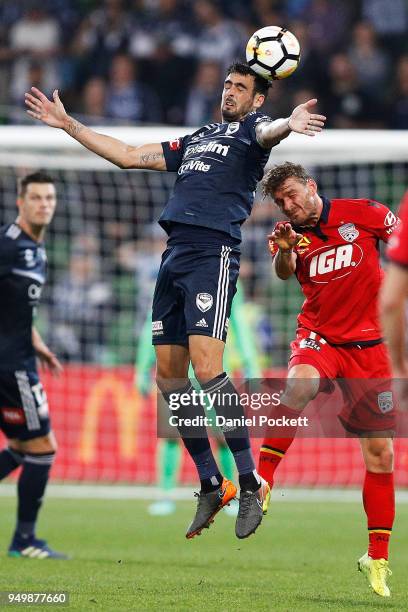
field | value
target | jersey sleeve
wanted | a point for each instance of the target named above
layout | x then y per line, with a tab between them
379	219
251	122
173	151
8	254
398	245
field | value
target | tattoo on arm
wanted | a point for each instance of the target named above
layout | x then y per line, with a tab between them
146	158
74	127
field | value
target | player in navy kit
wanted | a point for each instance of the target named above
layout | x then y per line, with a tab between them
217	168
24	415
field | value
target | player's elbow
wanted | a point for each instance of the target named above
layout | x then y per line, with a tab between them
125	163
127	160
284	272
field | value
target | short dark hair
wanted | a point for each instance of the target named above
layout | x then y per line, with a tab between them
35	177
277	175
261	85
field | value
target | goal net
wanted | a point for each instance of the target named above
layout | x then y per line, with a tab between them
104	249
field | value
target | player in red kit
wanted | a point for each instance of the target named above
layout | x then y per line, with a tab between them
395	293
332	248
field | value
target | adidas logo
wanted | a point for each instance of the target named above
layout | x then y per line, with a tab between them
201	323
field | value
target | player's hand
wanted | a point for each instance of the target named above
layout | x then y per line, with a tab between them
303	121
43	109
284	237
50	361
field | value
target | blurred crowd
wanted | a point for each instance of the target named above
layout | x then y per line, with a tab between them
163	61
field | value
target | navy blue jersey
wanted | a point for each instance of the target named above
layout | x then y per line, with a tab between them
217	168
22	276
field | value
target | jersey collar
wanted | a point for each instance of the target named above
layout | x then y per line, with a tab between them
324	217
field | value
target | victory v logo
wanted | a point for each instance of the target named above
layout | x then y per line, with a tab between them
204	301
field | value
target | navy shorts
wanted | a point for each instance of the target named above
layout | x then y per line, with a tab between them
194	291
23	405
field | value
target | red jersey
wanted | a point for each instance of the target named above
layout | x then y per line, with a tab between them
339	270
398	247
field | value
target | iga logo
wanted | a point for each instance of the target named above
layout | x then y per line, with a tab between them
204	301
332	264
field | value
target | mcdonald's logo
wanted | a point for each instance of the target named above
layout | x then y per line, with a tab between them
124	401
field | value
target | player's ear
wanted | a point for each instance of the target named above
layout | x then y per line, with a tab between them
19	202
312	186
259	99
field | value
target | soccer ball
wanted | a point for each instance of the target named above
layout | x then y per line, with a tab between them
273	52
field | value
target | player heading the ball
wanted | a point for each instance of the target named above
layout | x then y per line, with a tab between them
218	167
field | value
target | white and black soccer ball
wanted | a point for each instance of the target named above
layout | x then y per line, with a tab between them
273	52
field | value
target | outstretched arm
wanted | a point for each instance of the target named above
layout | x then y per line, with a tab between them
302	121
53	113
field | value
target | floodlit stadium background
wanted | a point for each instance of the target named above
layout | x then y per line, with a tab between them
156	63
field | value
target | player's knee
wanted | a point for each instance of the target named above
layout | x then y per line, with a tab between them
302	386
169	380
299	392
205	370
171	373
380	455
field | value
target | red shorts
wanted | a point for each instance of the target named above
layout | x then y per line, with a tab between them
365	379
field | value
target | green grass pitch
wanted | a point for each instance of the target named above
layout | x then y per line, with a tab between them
303	557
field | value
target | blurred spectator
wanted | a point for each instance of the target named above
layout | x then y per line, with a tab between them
35	37
127	99
327	22
346	105
312	69
167	20
204	98
399	103
94	100
277	104
370	62
295	8
144	258
162	71
67	43
81	305
266	13
103	33
302	95
389	19
220	40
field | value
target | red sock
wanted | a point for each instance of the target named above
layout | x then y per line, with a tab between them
273	449
271	454
379	505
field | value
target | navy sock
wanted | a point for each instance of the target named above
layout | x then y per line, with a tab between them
198	447
31	488
228	405
9	460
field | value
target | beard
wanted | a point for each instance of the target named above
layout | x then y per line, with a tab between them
229	115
